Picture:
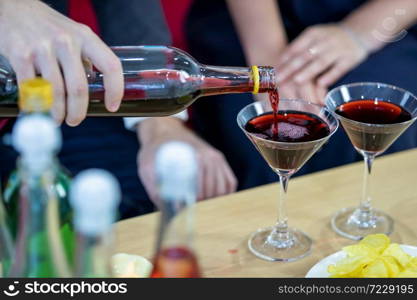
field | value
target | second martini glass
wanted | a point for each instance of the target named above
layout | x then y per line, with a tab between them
302	129
373	115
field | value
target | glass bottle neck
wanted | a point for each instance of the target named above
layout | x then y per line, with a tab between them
177	223
93	256
225	80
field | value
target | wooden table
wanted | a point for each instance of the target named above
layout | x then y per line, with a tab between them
224	224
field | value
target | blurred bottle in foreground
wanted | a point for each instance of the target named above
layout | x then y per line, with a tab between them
6	245
176	169
159	81
36	98
39	249
95	196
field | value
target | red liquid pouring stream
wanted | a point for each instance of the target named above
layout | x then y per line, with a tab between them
274	99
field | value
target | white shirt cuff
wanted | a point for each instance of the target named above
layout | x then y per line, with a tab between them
132	122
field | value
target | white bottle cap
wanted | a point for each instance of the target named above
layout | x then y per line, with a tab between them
176	169
36	138
95	195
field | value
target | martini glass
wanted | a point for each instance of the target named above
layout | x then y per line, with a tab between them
371	133
279	242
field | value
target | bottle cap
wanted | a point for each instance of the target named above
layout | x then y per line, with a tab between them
176	169
95	195
36	138
35	95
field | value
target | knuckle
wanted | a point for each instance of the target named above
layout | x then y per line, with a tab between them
322	60
114	65
44	48
80	90
77	90
85	29
55	30
218	155
23	57
64	41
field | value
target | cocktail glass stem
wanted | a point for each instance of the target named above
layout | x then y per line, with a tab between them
365	205
364	216
281	236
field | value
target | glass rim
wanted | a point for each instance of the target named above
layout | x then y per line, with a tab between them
333	114
370	83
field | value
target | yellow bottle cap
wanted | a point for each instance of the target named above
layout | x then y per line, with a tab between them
256	78
35	95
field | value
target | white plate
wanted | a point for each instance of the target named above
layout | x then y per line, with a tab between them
320	269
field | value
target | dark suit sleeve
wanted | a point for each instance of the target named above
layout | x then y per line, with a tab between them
132	22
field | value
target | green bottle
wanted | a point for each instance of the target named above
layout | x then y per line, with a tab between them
39	249
36	97
6	245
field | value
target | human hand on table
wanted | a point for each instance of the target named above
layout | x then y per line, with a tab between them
38	40
215	175
318	58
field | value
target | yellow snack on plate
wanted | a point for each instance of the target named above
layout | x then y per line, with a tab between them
361	250
379	242
407	274
412	265
395	251
376	257
394	268
349	267
375	269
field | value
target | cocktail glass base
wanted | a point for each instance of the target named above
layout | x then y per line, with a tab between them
355	224
263	243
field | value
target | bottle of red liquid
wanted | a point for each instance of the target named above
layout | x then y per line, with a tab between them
176	169
159	81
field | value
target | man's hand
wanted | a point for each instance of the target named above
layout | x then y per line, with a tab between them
38	40
215	176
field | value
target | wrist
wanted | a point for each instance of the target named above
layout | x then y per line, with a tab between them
264	55
153	129
364	38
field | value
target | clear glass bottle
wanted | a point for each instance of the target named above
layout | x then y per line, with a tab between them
176	168
36	97
159	81
95	195
39	248
6	244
